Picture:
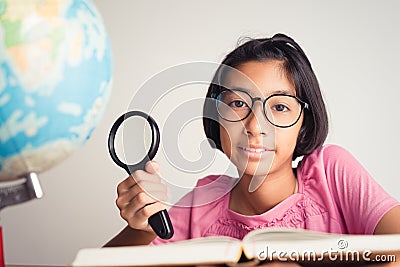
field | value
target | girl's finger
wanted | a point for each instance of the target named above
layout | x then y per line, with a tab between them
149	210
125	185
157	191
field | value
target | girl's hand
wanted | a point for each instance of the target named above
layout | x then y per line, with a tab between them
139	196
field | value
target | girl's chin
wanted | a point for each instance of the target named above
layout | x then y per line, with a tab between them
258	164
256	169
255	161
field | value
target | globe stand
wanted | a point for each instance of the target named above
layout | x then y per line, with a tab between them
15	193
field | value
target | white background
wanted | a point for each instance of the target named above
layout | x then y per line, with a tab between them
352	45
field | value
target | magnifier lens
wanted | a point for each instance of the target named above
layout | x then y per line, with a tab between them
134	132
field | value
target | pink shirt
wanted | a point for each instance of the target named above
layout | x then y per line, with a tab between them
335	194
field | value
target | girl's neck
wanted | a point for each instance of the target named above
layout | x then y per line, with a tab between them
275	188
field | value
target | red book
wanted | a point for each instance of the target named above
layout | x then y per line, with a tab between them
1	249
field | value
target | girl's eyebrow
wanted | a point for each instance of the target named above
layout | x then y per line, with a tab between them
282	91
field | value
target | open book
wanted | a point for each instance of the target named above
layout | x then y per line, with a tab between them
283	244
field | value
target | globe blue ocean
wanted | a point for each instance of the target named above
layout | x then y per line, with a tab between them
55	81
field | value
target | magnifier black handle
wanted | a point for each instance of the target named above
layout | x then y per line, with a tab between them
160	221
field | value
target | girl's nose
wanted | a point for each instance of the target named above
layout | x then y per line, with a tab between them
256	123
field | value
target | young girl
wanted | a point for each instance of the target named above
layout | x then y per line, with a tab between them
262	127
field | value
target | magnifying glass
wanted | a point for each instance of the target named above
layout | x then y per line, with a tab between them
159	222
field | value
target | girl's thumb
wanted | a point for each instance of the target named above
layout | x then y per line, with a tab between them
152	167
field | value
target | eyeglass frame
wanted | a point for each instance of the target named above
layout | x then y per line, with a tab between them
303	105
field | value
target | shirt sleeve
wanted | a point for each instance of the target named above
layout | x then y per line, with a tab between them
361	200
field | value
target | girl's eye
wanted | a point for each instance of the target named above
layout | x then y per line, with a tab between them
280	108
238	104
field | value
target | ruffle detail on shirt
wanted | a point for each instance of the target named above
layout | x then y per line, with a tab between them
292	218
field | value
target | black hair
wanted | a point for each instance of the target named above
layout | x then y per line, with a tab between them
297	68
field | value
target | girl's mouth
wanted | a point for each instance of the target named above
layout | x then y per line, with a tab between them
256	152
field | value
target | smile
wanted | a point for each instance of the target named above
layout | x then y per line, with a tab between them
256	152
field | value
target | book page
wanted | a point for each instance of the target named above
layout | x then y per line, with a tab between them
208	250
279	233
303	244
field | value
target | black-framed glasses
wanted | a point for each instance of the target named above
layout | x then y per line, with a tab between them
281	110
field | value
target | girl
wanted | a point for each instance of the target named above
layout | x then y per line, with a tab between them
262	127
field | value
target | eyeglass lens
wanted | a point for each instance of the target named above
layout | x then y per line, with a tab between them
280	110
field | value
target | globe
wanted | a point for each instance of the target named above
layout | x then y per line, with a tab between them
55	81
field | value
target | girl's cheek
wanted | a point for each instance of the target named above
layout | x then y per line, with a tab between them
285	140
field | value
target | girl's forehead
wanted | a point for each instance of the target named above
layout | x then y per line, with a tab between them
259	79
